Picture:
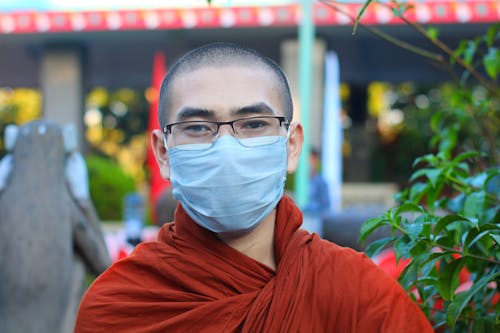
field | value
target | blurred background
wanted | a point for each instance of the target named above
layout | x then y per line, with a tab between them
98	65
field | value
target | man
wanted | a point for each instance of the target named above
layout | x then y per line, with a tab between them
318	202
319	198
235	259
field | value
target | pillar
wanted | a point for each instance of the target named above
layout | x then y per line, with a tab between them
61	80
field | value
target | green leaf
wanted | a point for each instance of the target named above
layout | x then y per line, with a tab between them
469	52
361	12
418	174
370	225
459	51
486	325
375	247
473	236
456	204
465	156
392	216
490	214
462	299
448	278
431	159
493	172
447	241
398	10
427	280
463	169
401	248
491	33
496	238
431	174
414	229
433	194
446	220
438	255
449	140
493	181
400	196
410	273
491	62
417	191
434	141
433	33
409	207
436	121
419	248
478	180
474	204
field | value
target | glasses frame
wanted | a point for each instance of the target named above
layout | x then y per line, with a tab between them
167	129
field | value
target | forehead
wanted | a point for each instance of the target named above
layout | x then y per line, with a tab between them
223	89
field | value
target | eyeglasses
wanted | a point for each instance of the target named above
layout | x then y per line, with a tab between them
250	132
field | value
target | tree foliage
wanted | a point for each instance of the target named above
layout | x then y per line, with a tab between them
446	224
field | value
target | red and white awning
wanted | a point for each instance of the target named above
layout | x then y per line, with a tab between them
431	12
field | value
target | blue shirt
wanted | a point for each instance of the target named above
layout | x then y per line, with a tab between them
319	198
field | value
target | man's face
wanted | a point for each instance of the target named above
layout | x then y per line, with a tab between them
224	94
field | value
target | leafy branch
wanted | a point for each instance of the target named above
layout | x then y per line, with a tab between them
379	33
447	223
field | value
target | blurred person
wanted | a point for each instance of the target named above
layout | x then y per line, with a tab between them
234	259
133	216
318	200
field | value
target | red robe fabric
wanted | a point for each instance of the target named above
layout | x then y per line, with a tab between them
190	281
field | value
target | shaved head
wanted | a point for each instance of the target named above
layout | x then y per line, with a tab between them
222	55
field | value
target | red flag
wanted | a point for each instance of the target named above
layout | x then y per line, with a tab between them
156	183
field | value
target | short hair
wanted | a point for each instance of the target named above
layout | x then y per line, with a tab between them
314	151
221	54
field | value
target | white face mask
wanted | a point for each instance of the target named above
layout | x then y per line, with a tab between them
229	188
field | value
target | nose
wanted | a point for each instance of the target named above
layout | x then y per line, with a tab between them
226	129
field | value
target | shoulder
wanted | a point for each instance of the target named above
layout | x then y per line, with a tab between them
379	300
346	267
338	256
131	272
145	259
122	287
354	266
355	271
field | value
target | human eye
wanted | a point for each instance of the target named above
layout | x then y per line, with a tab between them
254	124
196	128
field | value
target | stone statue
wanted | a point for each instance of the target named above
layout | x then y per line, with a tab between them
50	235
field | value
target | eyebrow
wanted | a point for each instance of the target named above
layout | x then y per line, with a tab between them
258	108
190	112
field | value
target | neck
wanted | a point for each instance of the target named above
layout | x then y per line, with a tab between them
258	244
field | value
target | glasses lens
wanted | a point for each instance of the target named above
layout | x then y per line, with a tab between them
198	133
256	127
201	135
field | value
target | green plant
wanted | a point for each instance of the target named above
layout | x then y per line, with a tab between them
446	226
108	187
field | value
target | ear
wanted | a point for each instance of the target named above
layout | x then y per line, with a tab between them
295	140
161	153
69	138
10	137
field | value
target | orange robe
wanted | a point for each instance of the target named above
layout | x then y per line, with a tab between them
190	281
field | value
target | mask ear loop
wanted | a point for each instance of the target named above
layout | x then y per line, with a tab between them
164	136
288	132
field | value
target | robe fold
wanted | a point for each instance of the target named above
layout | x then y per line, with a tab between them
190	281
